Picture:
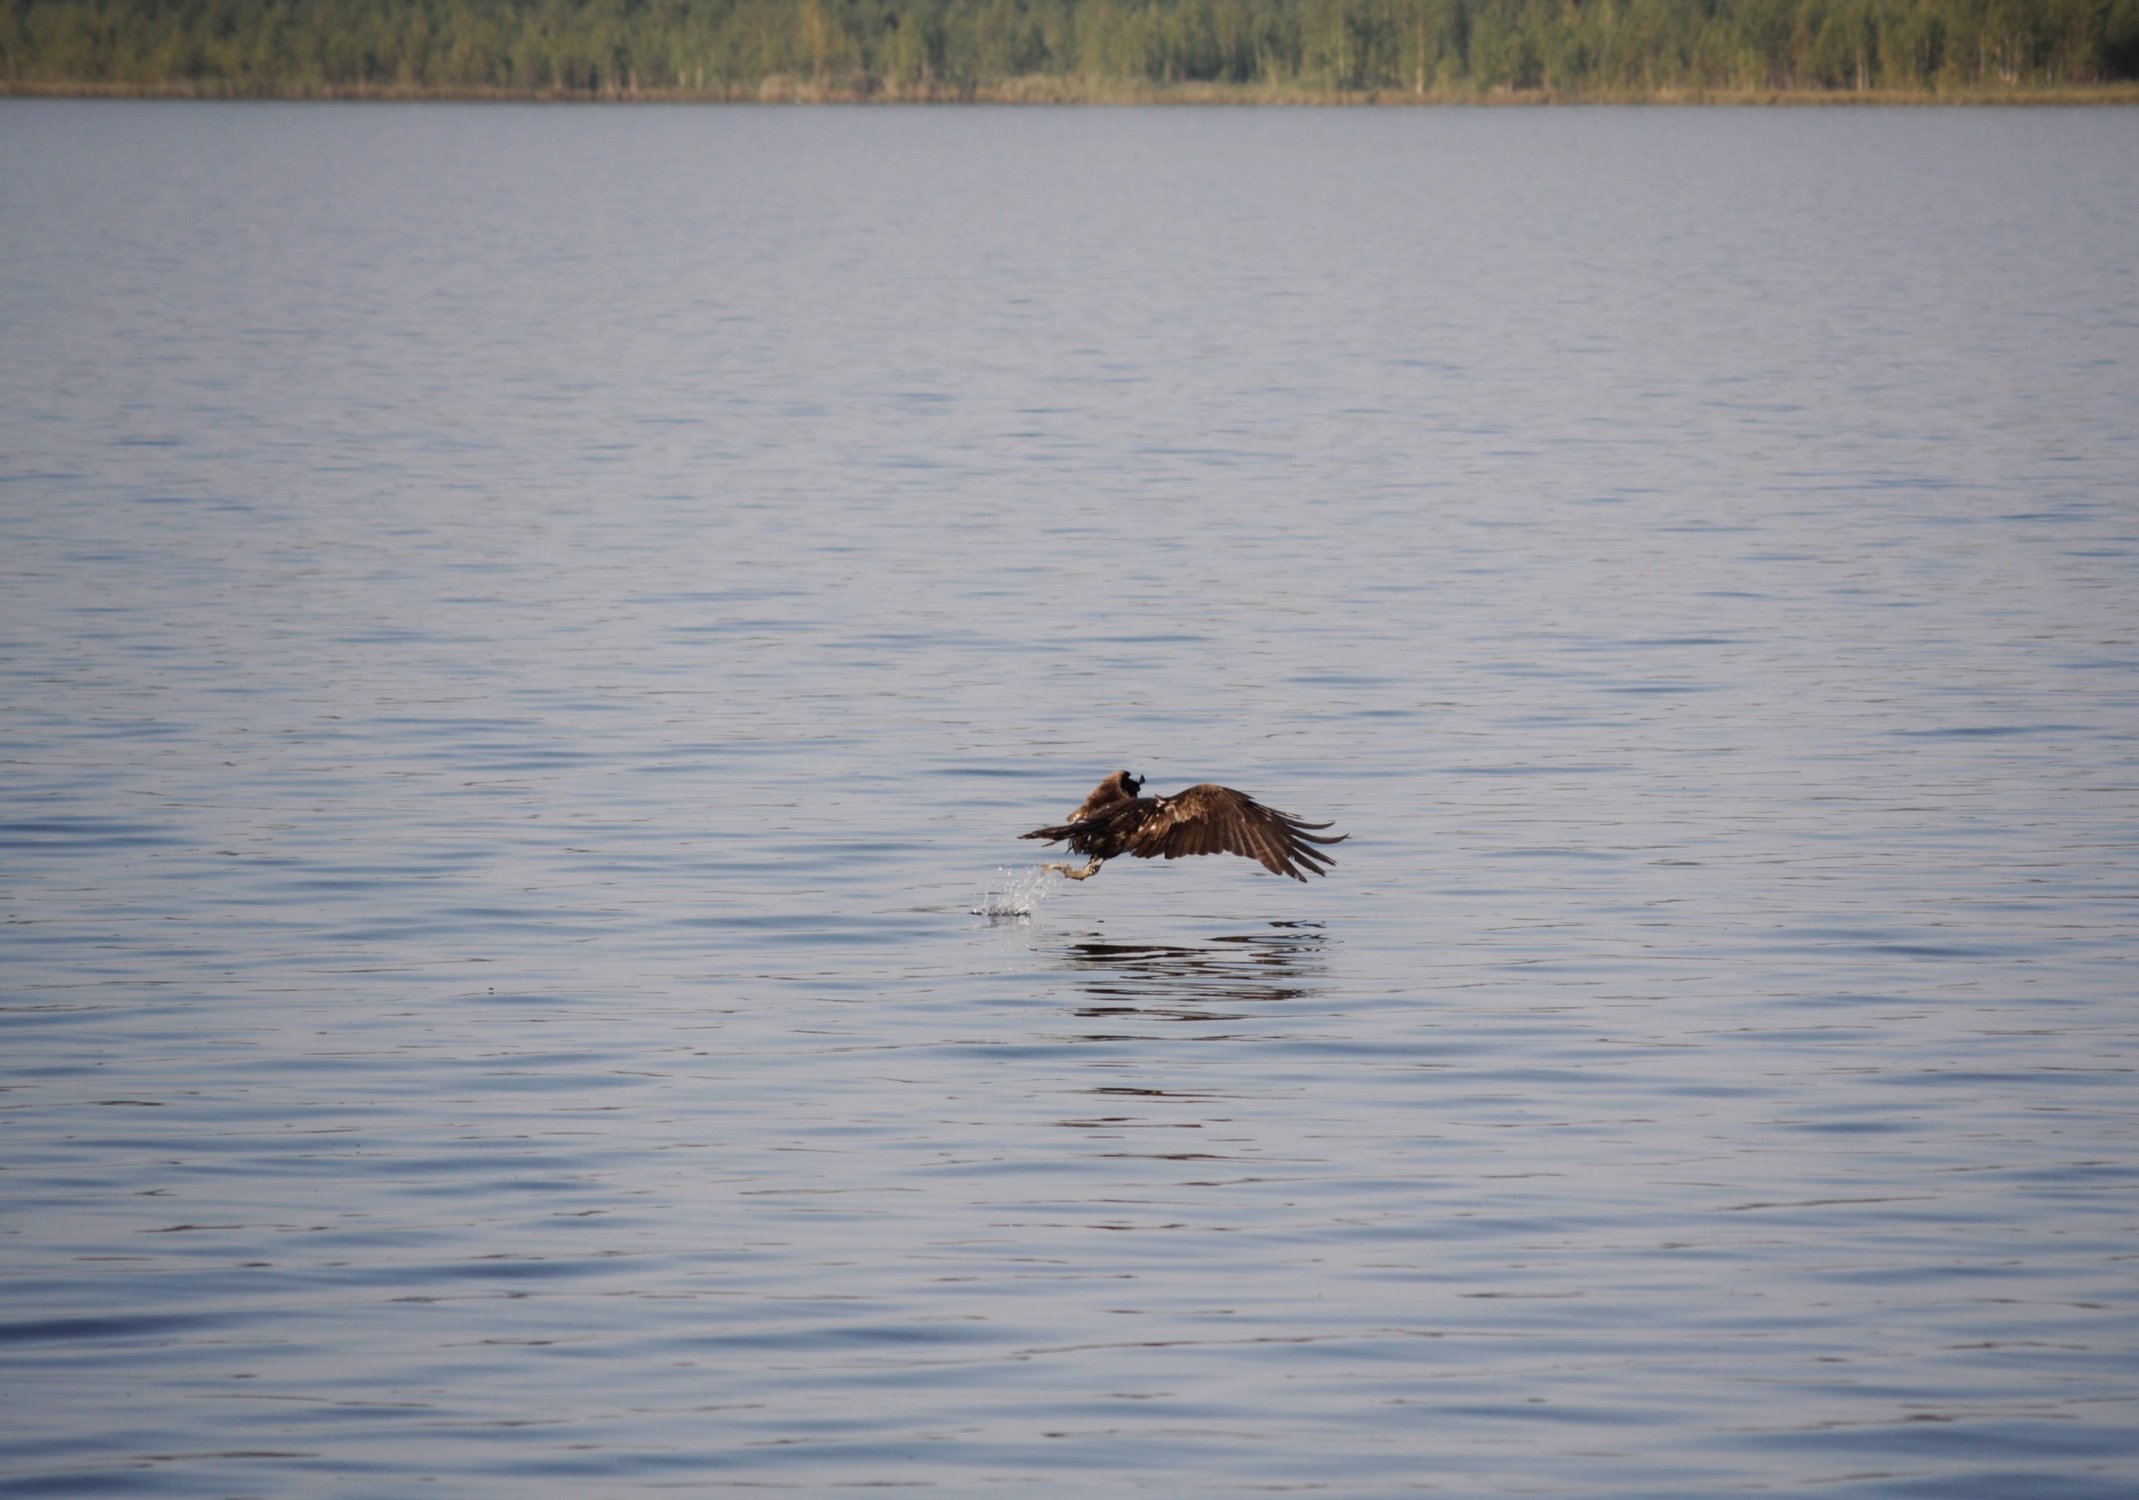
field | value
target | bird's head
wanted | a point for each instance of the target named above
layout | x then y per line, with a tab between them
1133	785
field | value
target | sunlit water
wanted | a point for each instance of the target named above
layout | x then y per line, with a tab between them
529	636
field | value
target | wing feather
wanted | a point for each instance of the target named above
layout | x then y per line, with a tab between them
1211	819
1204	819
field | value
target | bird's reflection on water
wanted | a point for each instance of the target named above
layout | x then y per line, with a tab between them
1224	978
1156	1104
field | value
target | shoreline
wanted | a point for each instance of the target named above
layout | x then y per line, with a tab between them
1070	91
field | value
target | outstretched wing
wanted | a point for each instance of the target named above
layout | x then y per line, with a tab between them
1210	819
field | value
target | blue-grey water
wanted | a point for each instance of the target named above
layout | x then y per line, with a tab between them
527	636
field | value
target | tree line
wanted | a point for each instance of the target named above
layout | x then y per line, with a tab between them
1065	48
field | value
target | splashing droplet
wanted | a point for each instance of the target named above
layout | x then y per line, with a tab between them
1015	892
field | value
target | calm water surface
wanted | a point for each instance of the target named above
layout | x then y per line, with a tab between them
527	637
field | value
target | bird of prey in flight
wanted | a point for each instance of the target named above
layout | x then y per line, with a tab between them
1205	819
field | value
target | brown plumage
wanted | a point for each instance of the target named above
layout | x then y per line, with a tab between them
1205	819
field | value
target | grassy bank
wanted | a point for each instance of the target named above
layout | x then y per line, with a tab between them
1074	91
1082	51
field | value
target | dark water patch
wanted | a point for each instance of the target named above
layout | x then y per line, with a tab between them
127	1327
1613	646
1958	1437
1985	731
1531	770
84	833
1546	853
992	772
124	1477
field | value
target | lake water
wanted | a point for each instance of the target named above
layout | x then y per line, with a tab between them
527	637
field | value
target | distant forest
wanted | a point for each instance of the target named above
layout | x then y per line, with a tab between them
1066	49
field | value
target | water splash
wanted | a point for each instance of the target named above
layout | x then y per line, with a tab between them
1015	892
